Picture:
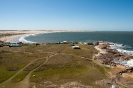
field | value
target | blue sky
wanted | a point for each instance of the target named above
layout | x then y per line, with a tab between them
94	15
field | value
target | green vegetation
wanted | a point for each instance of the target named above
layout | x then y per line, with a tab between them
20	76
15	58
5	74
35	64
58	63
81	74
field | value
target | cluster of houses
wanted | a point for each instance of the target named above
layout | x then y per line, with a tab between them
2	43
77	47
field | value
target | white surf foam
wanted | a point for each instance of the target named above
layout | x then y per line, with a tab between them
128	63
121	48
23	40
128	52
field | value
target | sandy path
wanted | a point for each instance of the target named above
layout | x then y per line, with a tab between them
8	83
25	82
101	51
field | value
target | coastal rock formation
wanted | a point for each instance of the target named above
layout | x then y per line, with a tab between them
128	70
111	55
104	45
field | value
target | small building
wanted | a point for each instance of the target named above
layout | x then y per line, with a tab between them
96	43
90	43
1	43
65	42
71	44
75	47
21	43
6	43
14	45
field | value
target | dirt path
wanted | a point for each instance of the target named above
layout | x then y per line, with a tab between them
8	81
101	51
9	84
25	82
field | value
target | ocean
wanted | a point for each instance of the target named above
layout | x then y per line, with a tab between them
123	41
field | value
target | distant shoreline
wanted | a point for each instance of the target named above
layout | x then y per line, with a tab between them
9	35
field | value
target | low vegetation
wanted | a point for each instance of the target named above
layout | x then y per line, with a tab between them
58	63
35	64
13	59
20	76
5	74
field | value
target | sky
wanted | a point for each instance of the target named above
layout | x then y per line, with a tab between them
91	15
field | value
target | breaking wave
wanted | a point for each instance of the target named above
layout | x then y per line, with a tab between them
124	49
128	63
23	40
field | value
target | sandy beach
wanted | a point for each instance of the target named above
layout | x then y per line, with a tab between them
8	36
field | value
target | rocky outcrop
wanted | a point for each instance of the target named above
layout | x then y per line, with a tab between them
111	55
104	45
128	70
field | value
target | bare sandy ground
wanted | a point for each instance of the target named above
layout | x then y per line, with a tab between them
9	38
20	33
101	51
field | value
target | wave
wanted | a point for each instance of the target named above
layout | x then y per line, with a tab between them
128	63
23	40
121	48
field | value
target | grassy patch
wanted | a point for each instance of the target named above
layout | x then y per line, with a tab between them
56	74
65	64
15	58
35	64
71	65
5	74
84	75
20	76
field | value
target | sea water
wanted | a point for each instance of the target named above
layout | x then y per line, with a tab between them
121	39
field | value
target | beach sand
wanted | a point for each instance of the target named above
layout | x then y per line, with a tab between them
20	33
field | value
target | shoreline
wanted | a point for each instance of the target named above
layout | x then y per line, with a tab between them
112	57
125	70
8	36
